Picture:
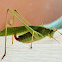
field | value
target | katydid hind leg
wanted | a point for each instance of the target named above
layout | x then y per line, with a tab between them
22	17
36	34
5	36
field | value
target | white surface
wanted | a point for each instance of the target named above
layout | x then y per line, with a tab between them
45	50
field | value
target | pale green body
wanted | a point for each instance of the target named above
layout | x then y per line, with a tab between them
24	35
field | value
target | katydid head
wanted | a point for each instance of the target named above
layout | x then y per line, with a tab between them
52	33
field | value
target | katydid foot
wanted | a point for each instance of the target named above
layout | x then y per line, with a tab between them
3	56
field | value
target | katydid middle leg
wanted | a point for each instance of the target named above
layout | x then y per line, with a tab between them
32	38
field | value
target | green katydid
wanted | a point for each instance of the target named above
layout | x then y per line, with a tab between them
28	33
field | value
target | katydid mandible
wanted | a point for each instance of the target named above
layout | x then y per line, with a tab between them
27	33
